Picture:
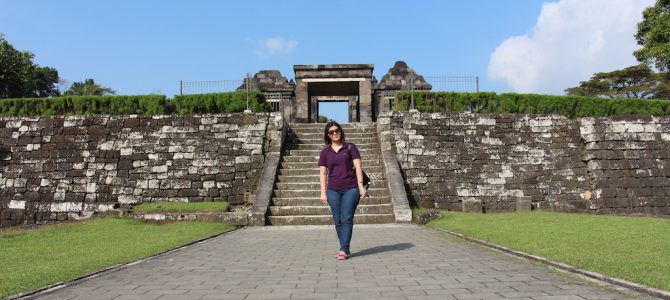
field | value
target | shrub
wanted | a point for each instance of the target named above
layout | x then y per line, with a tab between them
569	106
219	103
84	105
127	105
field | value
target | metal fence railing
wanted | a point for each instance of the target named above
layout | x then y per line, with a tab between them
222	86
453	83
210	86
438	84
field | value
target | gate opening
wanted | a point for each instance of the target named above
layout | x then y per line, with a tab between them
334	110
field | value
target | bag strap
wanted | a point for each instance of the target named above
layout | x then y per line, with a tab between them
366	178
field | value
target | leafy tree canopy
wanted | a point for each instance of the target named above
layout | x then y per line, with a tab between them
324	119
632	82
653	34
21	78
88	88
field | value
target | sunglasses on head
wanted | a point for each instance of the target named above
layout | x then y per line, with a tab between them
334	131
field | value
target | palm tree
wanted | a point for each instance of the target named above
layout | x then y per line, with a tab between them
88	88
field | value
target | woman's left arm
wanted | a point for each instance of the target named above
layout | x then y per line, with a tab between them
359	177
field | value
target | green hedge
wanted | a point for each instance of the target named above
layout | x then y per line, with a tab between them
127	105
84	105
570	106
219	103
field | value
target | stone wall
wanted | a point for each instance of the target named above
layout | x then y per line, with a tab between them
451	161
629	164
59	168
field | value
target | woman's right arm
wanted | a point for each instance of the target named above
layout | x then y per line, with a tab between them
323	173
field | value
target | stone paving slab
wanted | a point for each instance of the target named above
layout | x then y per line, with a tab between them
390	261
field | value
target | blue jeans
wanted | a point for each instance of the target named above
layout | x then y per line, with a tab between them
343	205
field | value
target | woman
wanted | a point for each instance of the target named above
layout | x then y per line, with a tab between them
341	179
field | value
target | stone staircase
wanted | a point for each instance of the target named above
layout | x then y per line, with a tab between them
295	199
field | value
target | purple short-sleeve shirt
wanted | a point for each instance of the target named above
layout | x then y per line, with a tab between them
340	164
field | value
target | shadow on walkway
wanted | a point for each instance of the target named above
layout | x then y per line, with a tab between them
384	248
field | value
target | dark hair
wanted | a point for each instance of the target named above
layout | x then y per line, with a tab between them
326	138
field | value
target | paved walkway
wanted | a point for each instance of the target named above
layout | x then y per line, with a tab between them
389	262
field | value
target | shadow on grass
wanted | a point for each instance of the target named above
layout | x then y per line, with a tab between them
384	248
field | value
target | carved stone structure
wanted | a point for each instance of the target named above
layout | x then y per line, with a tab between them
270	81
398	78
347	80
351	83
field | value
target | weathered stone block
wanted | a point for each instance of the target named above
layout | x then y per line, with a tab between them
472	205
523	204
188	193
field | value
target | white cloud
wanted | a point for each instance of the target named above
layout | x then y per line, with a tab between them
275	46
571	40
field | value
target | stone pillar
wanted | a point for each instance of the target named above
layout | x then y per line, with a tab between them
382	103
365	100
353	112
314	109
300	105
288	105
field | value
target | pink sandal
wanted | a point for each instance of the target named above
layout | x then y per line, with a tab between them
342	255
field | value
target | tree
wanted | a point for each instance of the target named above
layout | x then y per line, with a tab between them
21	78
632	82
324	119
88	88
663	89
653	34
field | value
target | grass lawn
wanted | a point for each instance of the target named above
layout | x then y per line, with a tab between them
632	248
182	207
34	258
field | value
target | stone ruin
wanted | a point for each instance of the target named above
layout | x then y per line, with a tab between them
269	81
353	83
397	77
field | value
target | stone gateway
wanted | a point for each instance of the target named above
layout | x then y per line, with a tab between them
350	83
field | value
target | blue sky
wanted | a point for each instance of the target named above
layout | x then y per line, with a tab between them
142	47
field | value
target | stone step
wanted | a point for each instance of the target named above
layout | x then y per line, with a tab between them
315	185
308	165
319	142
315	158
296	197
315	201
375	177
327	220
377	192
316	136
325	210
317	152
315	171
319	132
364	147
322	126
319	135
